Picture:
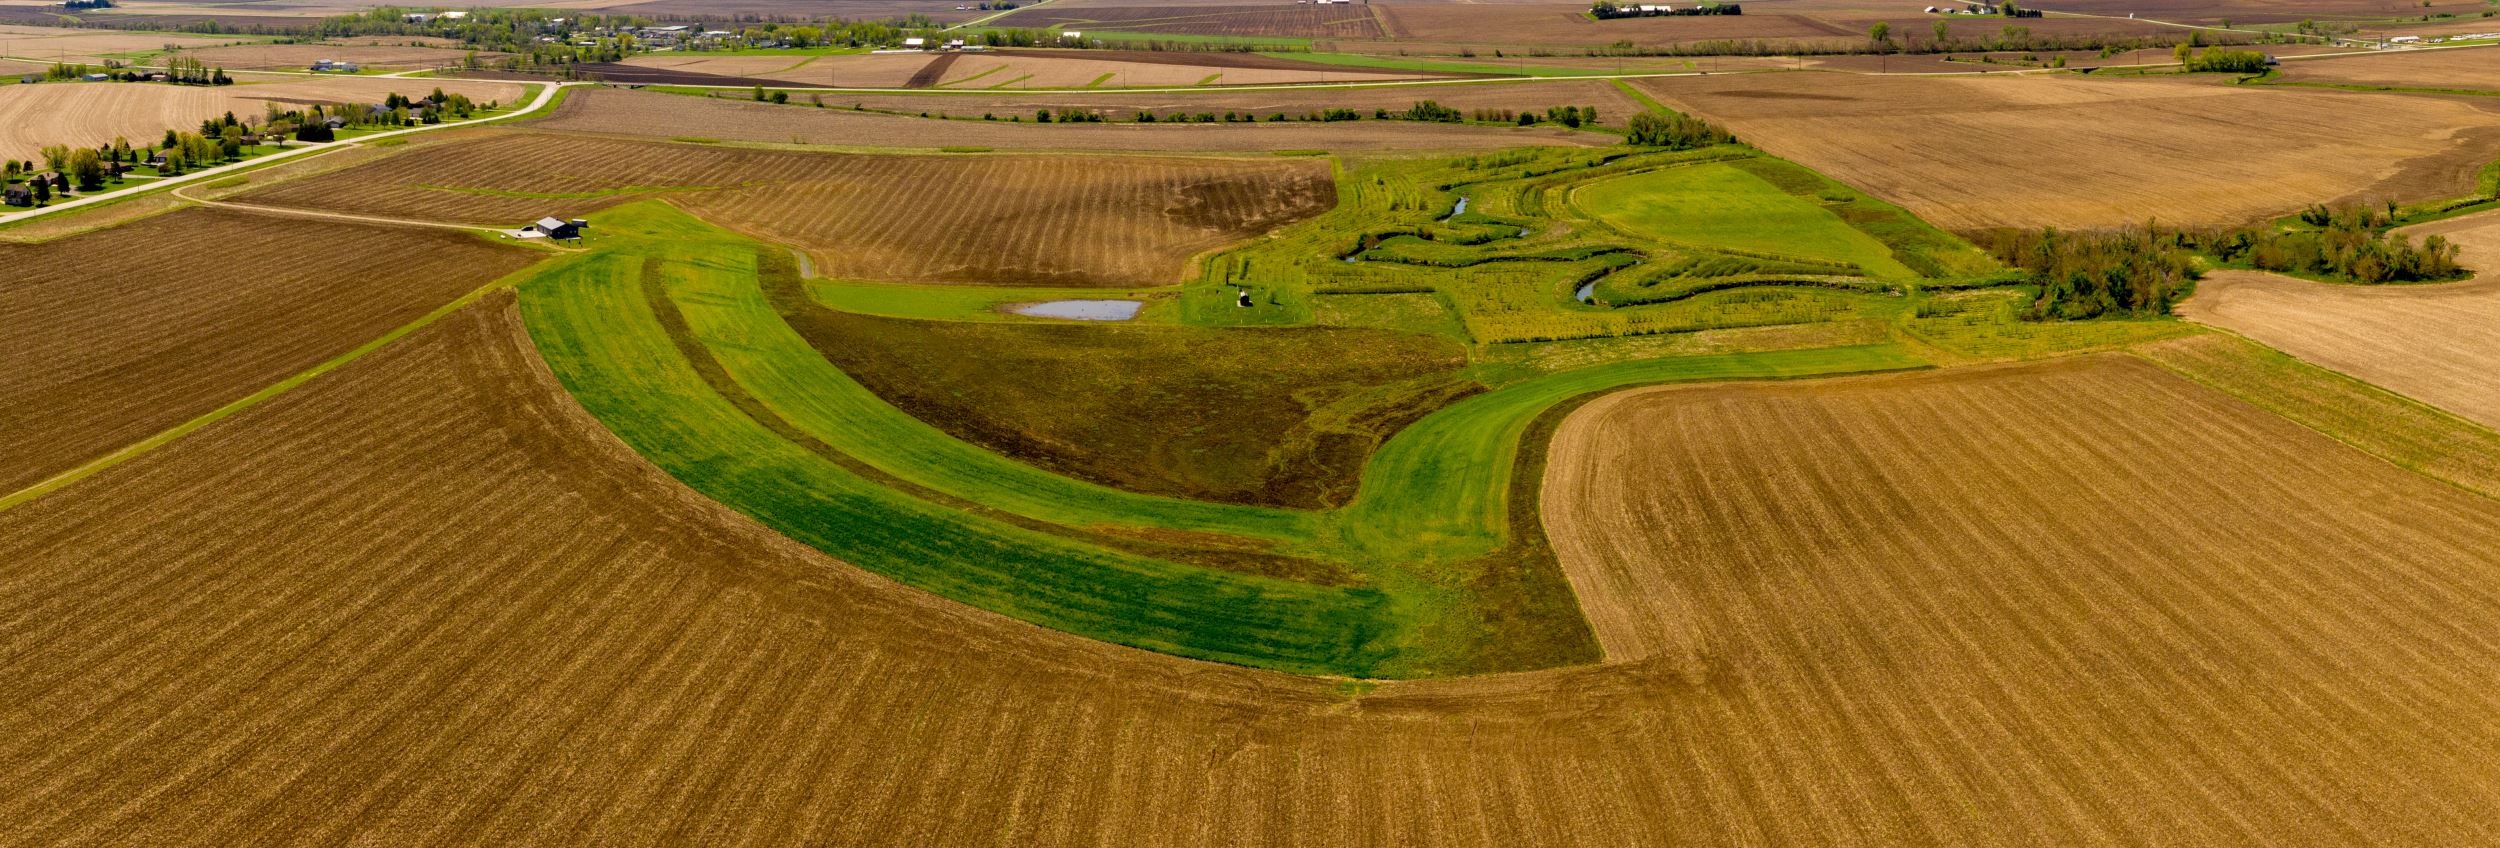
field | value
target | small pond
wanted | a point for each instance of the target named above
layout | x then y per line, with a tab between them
1586	293
1082	310
1461	210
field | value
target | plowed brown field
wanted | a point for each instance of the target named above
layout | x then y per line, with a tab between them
1296	21
2065	151
2438	344
988	219
653	115
2086	601
1613	106
81	114
117	335
2473	69
426	601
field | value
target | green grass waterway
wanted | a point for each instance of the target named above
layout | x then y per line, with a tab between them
1434	502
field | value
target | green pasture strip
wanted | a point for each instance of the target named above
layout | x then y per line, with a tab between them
1719	205
1008	83
1642	97
1434	491
598	333
133	451
1295	47
961	303
1098	81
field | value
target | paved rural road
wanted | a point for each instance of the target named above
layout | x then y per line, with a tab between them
546	95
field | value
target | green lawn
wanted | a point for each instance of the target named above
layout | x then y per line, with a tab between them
1720	206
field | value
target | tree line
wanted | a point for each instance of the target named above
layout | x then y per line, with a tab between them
1674	131
2143	271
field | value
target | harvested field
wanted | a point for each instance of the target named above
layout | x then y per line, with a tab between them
57	44
377	608
1111	69
1974	152
2432	343
32	116
986	219
2269	11
2042	597
654	115
942	11
1296	21
1613	107
1570	25
296	57
2468	69
118	335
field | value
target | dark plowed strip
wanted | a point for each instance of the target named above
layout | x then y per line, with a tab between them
929	74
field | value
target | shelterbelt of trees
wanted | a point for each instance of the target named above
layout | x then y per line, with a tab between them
2145	270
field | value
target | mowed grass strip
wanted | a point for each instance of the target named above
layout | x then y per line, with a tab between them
1718	205
597	332
1435	491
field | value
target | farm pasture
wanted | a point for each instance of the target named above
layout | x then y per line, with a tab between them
2433	343
83	114
120	334
1974	152
1017	220
2095	601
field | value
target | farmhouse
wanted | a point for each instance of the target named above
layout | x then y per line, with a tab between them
558	228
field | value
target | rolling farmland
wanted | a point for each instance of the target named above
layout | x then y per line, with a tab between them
1613	106
1968	153
296	57
2463	69
32	116
2089	583
970	219
1298	21
118	335
528	592
2431	343
648	114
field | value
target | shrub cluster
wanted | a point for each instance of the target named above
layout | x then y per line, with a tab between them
1674	131
2220	61
2131	272
2349	244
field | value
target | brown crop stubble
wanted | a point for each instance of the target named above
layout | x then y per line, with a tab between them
654	115
973	219
114	336
2065	151
2086	600
426	600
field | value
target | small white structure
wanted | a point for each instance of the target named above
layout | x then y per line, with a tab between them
915	43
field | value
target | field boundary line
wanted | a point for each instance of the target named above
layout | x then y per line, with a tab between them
134	450
2364	385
